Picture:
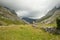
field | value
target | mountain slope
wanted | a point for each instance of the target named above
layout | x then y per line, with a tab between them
8	17
51	16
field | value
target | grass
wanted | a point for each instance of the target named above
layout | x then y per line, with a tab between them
25	32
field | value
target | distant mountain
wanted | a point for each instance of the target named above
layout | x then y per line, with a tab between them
29	20
8	17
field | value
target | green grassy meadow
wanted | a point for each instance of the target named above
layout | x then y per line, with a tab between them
25	32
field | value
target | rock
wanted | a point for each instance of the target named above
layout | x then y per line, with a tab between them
51	30
57	31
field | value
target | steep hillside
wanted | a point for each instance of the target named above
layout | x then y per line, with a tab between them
8	17
51	16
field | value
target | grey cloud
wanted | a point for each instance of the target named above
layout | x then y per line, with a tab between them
30	8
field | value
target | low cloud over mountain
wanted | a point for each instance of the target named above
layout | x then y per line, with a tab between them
34	9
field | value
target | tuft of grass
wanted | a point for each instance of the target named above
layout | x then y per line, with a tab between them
25	32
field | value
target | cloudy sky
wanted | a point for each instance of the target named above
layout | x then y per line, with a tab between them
30	8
